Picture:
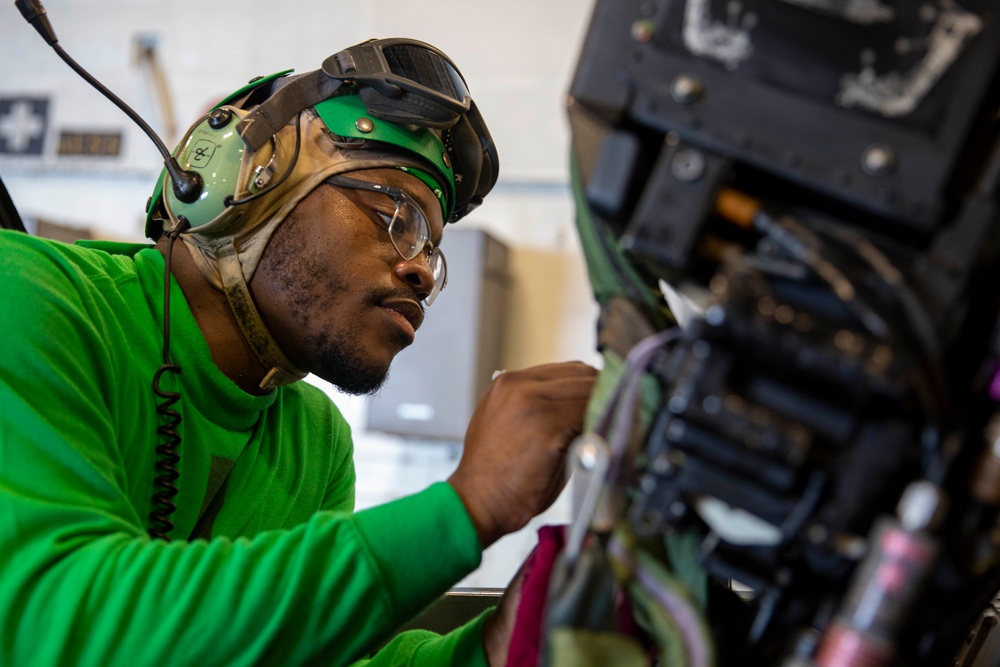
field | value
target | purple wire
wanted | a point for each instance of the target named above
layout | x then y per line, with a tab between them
680	611
627	392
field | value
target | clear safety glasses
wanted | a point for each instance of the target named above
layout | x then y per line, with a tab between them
408	228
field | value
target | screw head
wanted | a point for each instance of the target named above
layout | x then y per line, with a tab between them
688	165
686	89
219	118
364	125
878	161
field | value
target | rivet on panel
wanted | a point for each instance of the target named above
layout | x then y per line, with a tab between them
686	89
878	161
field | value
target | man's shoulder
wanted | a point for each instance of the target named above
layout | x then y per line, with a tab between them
35	253
42	278
118	248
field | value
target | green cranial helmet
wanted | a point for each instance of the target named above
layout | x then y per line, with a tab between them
394	103
390	93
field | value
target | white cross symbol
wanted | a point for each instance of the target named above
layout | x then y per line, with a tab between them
20	126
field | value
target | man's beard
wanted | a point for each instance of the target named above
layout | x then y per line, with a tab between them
342	366
340	359
337	357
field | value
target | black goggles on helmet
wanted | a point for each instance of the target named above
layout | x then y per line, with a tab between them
410	82
395	66
402	81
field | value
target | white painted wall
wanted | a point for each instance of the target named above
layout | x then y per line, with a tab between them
517	56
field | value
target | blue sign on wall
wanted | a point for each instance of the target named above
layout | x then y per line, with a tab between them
23	125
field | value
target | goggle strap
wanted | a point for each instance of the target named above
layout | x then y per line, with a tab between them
270	116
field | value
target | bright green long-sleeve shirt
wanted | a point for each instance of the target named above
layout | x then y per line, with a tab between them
286	573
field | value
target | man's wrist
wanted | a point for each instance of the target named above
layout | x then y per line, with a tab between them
480	522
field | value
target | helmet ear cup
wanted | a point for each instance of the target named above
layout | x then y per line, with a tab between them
213	149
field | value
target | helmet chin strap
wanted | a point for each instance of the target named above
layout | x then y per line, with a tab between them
265	348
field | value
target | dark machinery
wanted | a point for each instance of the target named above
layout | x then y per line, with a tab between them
821	180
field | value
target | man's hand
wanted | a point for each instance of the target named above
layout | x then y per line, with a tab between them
514	463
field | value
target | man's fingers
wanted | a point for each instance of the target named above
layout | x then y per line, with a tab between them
569	388
553	371
513	465
560	382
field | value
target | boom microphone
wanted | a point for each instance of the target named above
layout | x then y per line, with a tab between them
187	184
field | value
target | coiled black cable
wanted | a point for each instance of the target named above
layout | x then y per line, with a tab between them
168	449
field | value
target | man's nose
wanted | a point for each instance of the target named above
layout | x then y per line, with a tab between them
416	273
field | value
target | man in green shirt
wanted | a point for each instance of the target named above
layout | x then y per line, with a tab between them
211	522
